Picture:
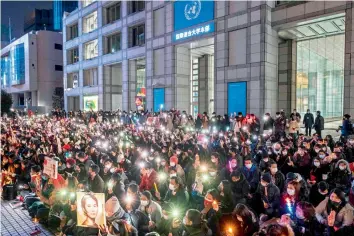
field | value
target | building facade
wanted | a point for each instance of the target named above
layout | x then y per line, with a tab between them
59	7
222	56
38	19
31	69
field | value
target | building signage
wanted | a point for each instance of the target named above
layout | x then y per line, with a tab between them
193	31
91	102
189	13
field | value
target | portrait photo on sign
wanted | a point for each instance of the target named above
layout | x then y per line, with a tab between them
90	209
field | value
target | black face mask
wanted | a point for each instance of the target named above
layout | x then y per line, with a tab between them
335	204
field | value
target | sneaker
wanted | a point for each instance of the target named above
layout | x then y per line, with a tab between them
36	231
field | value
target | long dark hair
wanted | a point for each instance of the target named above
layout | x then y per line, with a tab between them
246	214
197	222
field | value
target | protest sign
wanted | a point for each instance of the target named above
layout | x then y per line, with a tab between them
50	167
90	209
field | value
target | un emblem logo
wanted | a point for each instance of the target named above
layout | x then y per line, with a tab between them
192	9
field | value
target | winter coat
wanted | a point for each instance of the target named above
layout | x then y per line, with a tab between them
252	176
147	181
344	217
272	198
96	184
240	189
155	211
268	124
279	124
278	179
293	126
340	178
319	123
308	120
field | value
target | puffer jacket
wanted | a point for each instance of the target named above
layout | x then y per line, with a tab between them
273	195
341	178
344	217
240	189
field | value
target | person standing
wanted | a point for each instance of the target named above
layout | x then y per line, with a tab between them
319	123
308	122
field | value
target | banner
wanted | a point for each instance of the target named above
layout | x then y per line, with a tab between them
50	168
90	209
91	102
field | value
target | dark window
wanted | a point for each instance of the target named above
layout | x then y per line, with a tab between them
58	46
58	68
73	56
136	6
138	35
73	32
113	43
113	13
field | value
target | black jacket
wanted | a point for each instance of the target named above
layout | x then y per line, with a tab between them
240	189
273	195
308	120
96	184
319	123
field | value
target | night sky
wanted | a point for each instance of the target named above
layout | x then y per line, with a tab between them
17	10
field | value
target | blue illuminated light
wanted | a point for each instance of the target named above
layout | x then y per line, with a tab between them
193	31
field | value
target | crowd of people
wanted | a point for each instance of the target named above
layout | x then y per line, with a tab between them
169	174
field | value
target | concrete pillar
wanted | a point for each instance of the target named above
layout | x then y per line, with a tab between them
182	79
348	106
203	84
132	85
14	99
34	98
27	96
287	76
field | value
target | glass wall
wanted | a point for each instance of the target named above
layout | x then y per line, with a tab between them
5	72
320	75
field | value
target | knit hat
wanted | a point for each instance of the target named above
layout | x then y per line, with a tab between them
291	176
266	178
174	159
71	161
112	206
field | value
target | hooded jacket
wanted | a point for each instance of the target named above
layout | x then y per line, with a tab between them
340	178
240	189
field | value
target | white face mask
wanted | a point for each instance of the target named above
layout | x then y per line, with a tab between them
233	165
291	192
301	217
324	176
213	160
265	159
144	203
342	167
172	164
274	170
285	153
248	166
212	174
172	187
317	164
172	175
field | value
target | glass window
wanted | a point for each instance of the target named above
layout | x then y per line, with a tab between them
90	22
113	43
320	75
85	3
17	64
138	35
159	22
113	13
136	6
90	77
58	67
58	46
73	56
91	49
73	32
195	83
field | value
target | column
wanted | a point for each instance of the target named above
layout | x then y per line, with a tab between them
14	99
132	85
348	106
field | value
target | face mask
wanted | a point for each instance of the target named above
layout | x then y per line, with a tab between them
172	164
274	170
178	152
324	149
265	159
173	175
317	164
322	156
220	188
213	160
239	219
44	177
342	167
324	176
285	153
248	166
213	174
112	170
351	141
172	187
144	203
269	153
291	192
336	204
317	150
163	163
233	165
264	184
300	217
165	217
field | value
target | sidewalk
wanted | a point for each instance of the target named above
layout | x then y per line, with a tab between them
329	129
16	222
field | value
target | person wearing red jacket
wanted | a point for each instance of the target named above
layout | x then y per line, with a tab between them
149	177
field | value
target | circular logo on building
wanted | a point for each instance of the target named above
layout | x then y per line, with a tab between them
192	9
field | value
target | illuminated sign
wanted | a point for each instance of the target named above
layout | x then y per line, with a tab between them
91	102
194	31
189	13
